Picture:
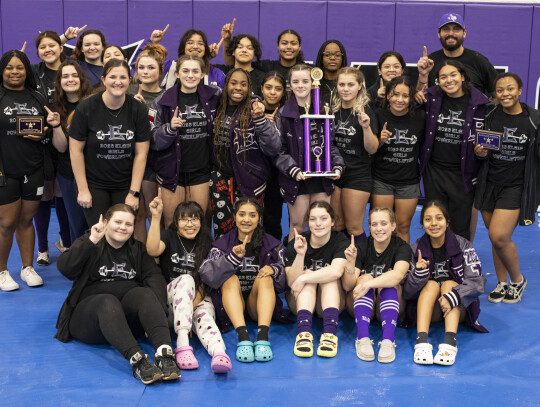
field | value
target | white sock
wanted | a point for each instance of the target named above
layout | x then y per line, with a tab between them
159	351
183	338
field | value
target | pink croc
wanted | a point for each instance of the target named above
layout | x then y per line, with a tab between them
185	359
221	363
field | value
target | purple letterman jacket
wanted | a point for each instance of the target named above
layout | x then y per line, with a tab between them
291	156
166	142
222	263
474	119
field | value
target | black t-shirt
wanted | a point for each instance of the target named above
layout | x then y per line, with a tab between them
64	160
176	259
371	262
507	166
374	99
148	97
48	79
449	133
349	138
193	133
110	137
322	256
480	70
440	266
20	156
249	268
256	77
396	161
114	274
221	157
93	72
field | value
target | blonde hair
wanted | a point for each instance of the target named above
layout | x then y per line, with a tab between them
390	213
362	99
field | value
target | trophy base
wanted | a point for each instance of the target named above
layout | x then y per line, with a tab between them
317	116
312	174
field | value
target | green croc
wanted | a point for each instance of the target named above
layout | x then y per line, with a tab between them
244	352
263	352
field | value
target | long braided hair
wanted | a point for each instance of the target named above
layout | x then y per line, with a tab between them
244	117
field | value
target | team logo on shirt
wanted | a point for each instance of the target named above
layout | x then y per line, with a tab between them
439	270
248	266
115	133
117	271
191	112
400	137
188	259
377	270
316	264
452	118
509	137
20	108
344	129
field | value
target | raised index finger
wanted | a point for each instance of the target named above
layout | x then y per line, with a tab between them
275	111
175	112
245	242
425	52
100	218
48	110
295	233
159	193
165	30
382	82
419	255
83	27
384	127
233	23
362	110
352	239
219	43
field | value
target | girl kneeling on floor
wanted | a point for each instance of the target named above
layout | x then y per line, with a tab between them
118	293
446	270
373	273
181	249
314	262
245	269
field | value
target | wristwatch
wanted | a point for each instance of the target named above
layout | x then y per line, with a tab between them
136	194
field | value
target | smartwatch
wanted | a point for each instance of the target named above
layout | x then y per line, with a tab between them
136	194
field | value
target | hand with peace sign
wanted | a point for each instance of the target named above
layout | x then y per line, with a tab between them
381	92
73	32
214	49
53	118
176	122
300	244
227	30
351	251
272	116
97	231
385	134
139	95
425	65
156	206
240	250
257	109
157	35
363	118
421	264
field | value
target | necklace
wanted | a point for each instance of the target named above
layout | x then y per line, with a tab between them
117	113
348	117
183	247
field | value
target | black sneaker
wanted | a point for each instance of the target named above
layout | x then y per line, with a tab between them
514	292
498	293
167	363
144	369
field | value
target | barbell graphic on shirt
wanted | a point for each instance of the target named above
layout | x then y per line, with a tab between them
400	137
508	135
115	134
20	108
117	271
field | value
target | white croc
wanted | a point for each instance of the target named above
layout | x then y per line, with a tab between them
364	349
446	355
387	351
423	353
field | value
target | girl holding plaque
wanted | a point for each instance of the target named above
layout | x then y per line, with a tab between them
21	163
396	174
505	192
356	142
298	191
448	164
88	51
446	278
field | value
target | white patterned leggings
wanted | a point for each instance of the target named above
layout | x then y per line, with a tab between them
202	319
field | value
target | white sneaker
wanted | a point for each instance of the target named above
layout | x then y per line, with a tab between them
364	349
387	351
43	258
6	282
60	246
30	277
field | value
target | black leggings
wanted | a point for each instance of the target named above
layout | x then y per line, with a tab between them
102	199
103	318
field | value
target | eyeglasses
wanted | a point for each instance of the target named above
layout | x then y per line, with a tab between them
198	43
395	67
332	54
193	221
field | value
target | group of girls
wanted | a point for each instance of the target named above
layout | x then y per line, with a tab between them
189	152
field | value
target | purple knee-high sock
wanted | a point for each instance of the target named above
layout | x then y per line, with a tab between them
63	221
389	312
303	319
362	314
41	220
330	318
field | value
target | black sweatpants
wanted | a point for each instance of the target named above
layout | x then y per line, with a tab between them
447	186
103	318
273	206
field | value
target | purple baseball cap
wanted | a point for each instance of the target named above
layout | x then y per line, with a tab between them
451	18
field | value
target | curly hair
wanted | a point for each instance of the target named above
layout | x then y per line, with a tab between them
254	42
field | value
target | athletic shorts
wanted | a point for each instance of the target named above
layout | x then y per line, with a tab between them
501	197
27	187
187	179
358	180
311	186
399	191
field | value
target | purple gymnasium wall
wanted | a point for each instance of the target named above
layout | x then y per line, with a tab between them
502	32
